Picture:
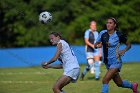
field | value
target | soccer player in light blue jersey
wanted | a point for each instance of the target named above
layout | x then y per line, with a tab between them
92	54
68	62
111	39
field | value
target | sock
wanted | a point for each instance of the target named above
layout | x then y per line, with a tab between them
87	68
97	69
92	69
126	84
105	88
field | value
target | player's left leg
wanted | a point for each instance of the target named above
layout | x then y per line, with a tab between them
61	82
97	64
124	83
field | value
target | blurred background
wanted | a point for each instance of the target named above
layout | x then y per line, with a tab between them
24	41
23	38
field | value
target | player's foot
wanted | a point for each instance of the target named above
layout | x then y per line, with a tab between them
134	87
82	76
97	78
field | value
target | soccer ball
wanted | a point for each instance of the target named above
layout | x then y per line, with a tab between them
45	17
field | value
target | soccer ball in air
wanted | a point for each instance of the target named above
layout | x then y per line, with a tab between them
45	17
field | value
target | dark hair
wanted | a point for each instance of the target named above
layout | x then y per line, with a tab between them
56	34
115	21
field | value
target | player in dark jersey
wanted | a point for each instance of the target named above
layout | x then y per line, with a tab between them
92	54
111	39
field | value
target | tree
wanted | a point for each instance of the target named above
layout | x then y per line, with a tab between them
19	25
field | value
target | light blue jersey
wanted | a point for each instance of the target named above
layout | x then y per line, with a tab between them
87	35
111	44
92	37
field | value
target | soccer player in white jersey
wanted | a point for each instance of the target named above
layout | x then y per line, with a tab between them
68	62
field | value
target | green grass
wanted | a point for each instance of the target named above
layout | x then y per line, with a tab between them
38	80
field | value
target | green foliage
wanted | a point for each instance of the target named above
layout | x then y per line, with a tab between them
19	25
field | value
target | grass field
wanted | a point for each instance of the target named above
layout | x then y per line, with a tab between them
38	80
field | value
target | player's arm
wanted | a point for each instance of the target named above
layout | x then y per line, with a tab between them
123	39
88	43
59	66
98	43
128	46
59	48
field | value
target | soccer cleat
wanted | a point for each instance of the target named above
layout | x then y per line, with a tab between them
97	78
134	87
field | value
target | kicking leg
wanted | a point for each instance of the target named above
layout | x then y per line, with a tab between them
61	82
124	83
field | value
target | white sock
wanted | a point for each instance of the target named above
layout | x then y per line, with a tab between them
92	70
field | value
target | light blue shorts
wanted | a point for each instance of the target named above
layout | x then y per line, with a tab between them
74	74
114	65
92	54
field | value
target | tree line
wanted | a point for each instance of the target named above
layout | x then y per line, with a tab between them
20	27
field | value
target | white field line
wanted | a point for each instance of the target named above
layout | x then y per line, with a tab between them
23	82
22	73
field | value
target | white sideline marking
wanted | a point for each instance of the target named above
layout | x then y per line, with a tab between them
23	82
21	73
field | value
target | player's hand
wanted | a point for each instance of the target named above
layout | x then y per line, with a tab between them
121	52
99	45
93	46
44	65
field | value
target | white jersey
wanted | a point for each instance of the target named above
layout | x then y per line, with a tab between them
69	60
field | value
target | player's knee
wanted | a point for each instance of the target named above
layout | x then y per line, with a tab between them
90	61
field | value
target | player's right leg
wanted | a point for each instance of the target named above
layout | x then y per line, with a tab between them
61	82
97	67
90	60
125	84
